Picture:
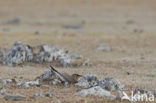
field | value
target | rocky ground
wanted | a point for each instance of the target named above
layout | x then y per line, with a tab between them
118	37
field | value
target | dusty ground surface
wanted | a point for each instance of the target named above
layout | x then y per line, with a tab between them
127	26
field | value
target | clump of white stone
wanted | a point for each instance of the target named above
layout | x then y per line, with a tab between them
18	54
110	84
49	53
87	81
100	88
48	77
21	53
28	83
95	91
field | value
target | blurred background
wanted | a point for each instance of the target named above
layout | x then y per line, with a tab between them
91	16
127	26
79	25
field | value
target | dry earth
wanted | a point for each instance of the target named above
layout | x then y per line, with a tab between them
127	26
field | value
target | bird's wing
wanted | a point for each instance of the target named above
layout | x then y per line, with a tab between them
58	74
69	78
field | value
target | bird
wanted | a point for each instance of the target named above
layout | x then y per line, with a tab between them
66	78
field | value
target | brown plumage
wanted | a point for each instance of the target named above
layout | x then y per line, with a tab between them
71	78
66	78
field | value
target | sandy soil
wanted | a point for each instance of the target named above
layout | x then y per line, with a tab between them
127	26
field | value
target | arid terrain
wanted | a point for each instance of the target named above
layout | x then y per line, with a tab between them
128	27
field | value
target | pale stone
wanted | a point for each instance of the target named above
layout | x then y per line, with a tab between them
87	81
95	91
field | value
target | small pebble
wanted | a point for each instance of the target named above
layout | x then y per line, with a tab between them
36	95
103	48
50	94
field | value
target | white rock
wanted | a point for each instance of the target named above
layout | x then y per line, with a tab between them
23	84
28	84
19	53
95	91
34	83
110	84
2	90
36	95
49	53
5	81
87	81
47	74
49	77
14	97
48	48
103	48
